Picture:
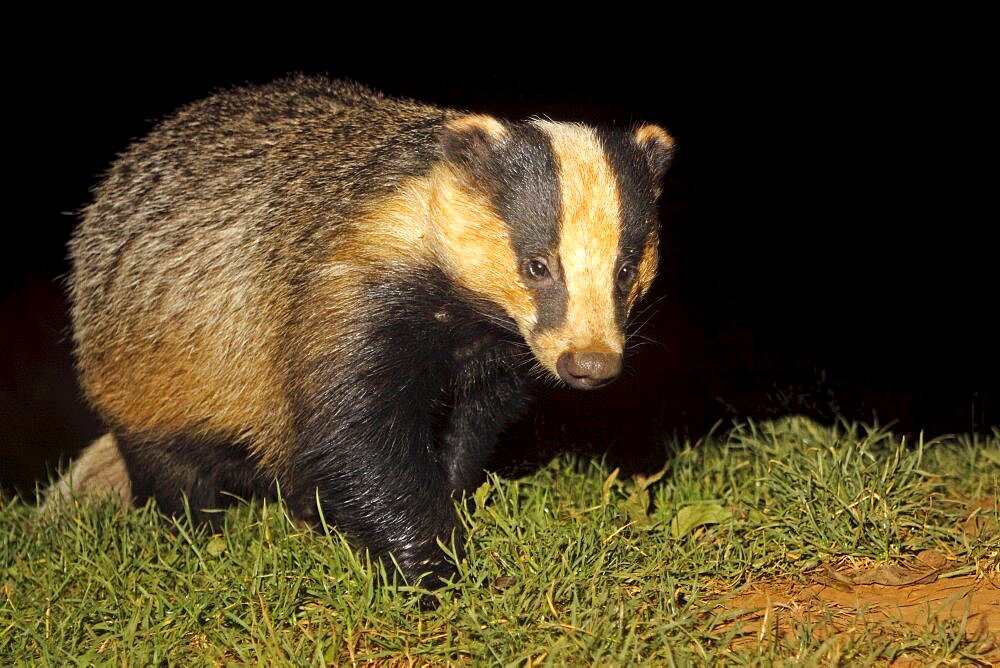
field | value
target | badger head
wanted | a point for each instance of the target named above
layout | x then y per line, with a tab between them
556	224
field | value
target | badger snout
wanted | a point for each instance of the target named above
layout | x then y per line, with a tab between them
589	370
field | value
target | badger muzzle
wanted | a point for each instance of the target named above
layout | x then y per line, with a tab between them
587	370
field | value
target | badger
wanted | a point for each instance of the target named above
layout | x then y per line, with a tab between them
311	287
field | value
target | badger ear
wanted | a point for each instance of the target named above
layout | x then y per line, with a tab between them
658	147
468	140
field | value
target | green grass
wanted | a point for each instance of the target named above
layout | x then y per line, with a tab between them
568	565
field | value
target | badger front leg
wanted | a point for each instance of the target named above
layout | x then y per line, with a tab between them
487	397
366	448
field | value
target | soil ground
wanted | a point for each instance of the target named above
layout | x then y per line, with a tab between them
928	591
835	604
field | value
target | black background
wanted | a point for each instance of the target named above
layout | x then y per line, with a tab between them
826	249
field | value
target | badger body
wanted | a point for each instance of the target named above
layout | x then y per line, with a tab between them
310	285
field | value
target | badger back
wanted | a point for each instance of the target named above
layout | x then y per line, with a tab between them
190	262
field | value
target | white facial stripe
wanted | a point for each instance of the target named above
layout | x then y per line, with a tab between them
588	238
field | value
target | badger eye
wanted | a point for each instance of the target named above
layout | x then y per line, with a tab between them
626	276
536	269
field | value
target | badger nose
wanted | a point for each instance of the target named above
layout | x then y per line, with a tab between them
588	370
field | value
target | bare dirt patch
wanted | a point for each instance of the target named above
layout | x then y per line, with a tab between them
924	594
882	601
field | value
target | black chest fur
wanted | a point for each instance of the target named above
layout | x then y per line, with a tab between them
452	339
407	420
387	431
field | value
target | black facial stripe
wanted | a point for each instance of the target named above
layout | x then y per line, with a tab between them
636	189
524	177
526	189
637	198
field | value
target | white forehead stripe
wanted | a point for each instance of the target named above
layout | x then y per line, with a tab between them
588	238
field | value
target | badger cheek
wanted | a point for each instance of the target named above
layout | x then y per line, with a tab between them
647	271
546	346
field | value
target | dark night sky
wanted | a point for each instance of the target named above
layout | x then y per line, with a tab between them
823	247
